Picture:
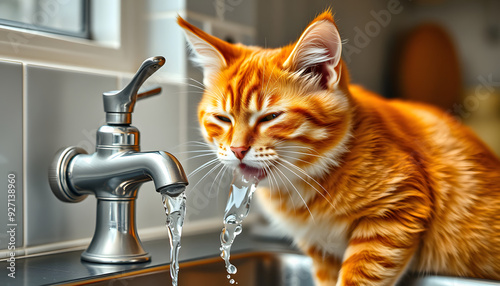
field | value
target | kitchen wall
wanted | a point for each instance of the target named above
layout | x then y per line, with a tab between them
46	105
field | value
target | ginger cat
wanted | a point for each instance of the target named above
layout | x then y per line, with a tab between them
369	188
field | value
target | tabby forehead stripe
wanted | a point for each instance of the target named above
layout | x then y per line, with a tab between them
244	86
251	93
230	98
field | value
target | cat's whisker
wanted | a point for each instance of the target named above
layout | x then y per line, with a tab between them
212	152
270	174
202	144
195	143
268	169
198	82
188	92
305	181
222	170
295	147
203	89
208	173
301	153
195	86
297	191
211	162
225	168
198	156
284	185
291	157
200	152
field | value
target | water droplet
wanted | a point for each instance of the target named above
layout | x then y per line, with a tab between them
228	276
232	269
238	229
232	281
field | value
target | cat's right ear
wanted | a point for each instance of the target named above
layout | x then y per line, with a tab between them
211	53
317	52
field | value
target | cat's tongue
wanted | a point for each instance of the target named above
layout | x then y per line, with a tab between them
252	172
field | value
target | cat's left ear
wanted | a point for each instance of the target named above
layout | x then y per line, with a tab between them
211	53
318	52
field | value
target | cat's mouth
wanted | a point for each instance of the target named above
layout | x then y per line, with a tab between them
250	171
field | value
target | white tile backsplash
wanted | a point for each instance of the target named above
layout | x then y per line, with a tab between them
11	154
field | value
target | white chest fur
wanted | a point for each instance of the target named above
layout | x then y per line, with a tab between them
319	230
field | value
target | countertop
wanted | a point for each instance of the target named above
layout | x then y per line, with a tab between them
67	267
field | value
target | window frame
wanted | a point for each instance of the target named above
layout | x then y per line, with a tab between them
41	47
84	33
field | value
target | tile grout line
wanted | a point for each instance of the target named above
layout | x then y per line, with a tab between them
24	150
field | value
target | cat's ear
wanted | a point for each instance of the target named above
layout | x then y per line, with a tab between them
211	53
318	52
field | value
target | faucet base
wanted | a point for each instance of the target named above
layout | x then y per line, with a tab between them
115	238
116	259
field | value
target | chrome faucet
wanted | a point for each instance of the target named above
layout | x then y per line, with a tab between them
114	174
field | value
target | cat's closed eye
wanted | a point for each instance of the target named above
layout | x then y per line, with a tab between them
223	118
270	117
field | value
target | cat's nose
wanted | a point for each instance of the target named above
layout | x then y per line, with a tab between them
240	152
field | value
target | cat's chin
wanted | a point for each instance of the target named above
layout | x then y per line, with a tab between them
250	171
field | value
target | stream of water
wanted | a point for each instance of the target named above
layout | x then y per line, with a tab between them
175	209
237	208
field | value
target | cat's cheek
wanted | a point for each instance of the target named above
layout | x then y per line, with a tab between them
213	130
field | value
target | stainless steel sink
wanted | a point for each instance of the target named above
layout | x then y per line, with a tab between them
254	269
260	262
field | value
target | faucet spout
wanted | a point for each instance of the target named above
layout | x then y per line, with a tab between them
118	176
166	171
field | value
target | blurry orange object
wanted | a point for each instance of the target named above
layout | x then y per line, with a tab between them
429	69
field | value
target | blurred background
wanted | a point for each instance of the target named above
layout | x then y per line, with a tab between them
57	57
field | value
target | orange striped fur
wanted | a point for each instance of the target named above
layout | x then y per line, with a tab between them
368	187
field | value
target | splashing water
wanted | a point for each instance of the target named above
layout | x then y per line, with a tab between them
237	208
175	209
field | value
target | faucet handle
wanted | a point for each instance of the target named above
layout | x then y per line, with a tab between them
119	104
148	93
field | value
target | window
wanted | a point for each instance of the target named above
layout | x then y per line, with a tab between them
66	17
102	35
